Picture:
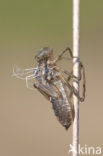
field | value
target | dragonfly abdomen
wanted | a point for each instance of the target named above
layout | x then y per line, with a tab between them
62	107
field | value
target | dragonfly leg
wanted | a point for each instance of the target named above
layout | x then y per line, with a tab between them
81	76
62	53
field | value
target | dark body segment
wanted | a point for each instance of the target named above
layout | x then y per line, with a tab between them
62	112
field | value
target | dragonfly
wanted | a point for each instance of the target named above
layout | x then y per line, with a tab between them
54	83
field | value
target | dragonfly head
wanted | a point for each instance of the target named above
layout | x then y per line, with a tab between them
44	54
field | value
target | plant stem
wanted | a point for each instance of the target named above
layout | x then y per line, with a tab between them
76	37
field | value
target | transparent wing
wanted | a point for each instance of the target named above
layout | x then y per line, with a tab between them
27	74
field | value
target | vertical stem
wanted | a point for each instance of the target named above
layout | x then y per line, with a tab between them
76	34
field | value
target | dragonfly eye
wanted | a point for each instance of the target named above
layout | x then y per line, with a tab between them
44	54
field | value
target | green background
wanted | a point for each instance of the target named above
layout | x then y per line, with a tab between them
28	126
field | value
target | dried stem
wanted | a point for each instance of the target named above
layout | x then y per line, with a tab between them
76	31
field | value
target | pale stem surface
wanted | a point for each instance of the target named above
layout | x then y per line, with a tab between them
76	37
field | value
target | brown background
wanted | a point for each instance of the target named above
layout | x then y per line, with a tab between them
28	126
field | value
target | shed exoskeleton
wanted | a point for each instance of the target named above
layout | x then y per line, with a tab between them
54	83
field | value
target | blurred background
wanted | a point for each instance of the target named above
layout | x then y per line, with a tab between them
28	126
